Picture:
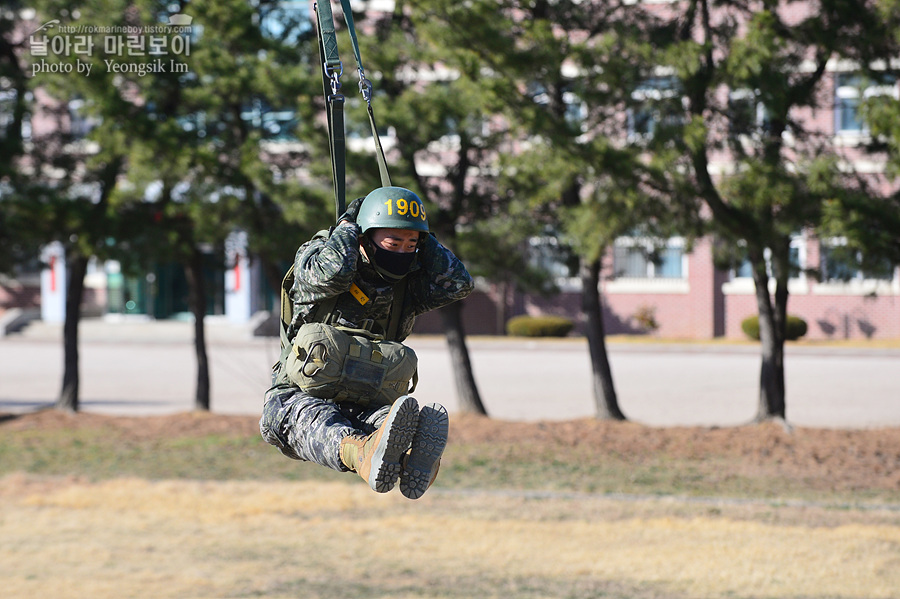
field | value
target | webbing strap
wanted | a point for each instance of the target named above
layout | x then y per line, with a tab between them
379	152
351	28
287	309
396	310
332	69
325	22
325	310
365	88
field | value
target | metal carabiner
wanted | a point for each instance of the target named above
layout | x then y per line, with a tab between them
365	87
335	77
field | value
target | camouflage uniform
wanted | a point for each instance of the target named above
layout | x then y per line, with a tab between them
307	428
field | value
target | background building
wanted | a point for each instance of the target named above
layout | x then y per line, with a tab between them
668	288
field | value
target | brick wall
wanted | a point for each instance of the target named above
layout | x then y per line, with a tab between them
828	316
703	306
16	295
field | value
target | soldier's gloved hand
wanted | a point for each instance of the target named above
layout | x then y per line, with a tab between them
428	251
351	212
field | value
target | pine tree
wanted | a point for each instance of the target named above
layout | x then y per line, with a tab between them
746	73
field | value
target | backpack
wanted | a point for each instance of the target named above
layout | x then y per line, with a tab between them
345	364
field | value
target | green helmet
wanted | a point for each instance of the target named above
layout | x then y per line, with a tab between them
392	208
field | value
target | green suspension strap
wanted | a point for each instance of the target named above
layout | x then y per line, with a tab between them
365	88
332	69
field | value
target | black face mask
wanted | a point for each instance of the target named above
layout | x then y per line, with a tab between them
394	264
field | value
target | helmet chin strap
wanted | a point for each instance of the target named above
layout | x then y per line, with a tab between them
366	247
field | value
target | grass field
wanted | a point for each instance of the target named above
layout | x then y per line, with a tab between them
196	505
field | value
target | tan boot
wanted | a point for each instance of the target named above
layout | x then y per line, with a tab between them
421	466
376	457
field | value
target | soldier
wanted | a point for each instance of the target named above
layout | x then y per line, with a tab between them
375	271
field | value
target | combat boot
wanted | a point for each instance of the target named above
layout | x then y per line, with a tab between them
420	466
376	457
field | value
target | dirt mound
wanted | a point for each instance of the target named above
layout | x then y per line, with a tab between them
844	459
839	459
139	427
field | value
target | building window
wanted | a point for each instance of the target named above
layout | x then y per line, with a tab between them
547	254
636	258
274	125
80	123
796	258
840	263
658	104
747	115
851	89
285	21
575	109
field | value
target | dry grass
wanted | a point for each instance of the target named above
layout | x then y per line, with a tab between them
103	532
68	538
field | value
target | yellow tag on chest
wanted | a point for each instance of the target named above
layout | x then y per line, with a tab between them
356	292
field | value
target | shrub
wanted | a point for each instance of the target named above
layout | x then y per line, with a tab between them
796	327
645	317
539	326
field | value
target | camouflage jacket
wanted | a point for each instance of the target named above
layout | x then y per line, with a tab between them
330	264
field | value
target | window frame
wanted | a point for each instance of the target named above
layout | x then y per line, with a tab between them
851	89
650	99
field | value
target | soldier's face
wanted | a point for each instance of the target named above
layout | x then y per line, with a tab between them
402	241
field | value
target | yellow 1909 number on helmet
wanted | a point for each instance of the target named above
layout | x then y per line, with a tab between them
404	207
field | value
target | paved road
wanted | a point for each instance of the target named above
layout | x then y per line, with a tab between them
149	368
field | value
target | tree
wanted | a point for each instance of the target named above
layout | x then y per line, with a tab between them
207	127
868	215
57	190
497	250
177	132
18	243
559	71
13	88
748	73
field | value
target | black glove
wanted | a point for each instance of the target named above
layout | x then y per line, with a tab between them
351	212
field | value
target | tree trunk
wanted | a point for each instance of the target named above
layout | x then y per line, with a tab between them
68	399
77	269
502	308
602	383
771	336
466	389
197	299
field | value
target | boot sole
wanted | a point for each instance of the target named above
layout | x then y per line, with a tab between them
427	447
399	430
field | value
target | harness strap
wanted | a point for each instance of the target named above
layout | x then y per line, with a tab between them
354	41
324	311
365	88
379	151
287	310
332	69
396	310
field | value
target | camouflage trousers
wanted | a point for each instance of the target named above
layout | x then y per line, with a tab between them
307	428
